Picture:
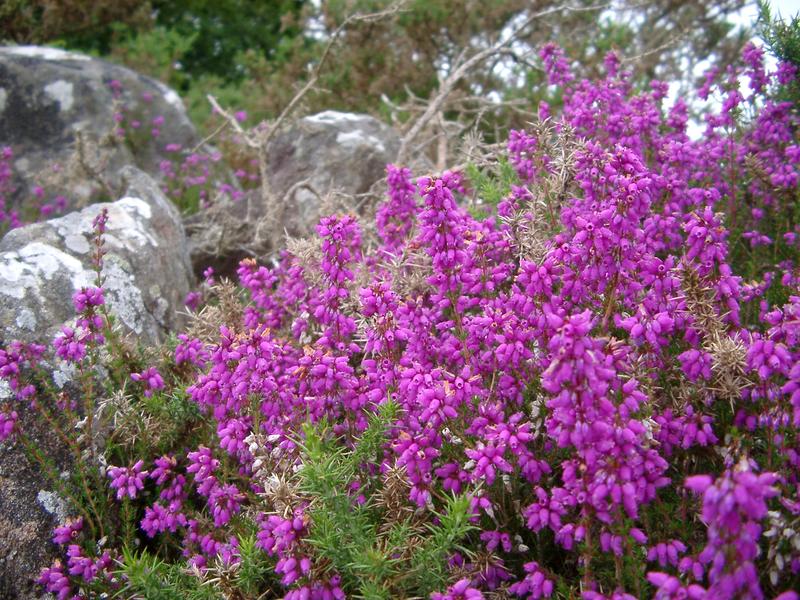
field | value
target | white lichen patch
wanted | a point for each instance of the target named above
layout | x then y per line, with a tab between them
76	230
63	373
26	319
54	504
27	268
12	271
45	53
61	92
124	218
3	98
334	116
356	138
77	243
141	207
170	96
125	299
160	312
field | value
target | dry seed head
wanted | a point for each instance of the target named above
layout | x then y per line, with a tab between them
409	271
701	302
728	365
393	496
228	311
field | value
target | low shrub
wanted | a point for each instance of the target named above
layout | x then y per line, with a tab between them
591	388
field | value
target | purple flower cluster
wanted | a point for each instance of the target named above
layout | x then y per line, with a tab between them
151	379
128	481
733	507
590	378
72	343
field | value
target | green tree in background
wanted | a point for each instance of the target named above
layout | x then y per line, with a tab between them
86	24
254	55
223	29
212	33
782	37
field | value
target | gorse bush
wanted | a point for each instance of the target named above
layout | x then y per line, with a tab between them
587	386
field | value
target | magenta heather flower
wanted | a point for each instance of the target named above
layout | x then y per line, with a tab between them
68	532
442	232
521	149
79	565
534	585
766	357
696	364
566	360
666	553
70	344
151	379
203	465
128	481
395	217
159	519
165	469
87	298
555	64
55	581
733	507
671	588
192	351
192	300
224	501
461	590
8	422
100	222
341	246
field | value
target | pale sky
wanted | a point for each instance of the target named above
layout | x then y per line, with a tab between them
787	9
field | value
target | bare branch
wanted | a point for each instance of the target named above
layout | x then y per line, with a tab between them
259	137
446	86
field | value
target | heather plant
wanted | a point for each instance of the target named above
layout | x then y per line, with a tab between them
585	386
192	178
40	205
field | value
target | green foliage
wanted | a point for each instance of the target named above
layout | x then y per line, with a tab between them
783	40
254	55
220	30
255	571
490	185
782	37
379	553
146	576
84	24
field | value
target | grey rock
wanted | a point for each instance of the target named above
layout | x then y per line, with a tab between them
28	510
147	275
320	161
48	95
146	270
332	151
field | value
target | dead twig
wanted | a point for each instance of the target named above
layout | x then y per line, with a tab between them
462	66
258	138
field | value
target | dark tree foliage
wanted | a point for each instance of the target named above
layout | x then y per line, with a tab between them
217	31
223	29
782	37
255	54
86	24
